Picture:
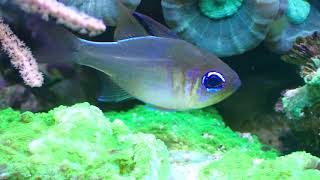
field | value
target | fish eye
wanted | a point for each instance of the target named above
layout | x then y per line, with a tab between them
213	81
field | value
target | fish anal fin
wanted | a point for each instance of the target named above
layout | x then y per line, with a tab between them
111	92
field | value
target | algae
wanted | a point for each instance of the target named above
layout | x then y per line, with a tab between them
80	142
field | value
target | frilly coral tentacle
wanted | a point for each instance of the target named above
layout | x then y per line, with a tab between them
102	9
306	54
226	36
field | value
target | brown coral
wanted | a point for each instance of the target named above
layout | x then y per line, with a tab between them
306	53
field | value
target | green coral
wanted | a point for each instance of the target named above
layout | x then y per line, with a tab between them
82	143
298	11
217	9
299	165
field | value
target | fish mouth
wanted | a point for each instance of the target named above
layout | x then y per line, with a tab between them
233	86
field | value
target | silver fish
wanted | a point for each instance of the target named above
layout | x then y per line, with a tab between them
165	72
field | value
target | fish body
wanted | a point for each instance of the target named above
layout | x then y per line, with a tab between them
165	71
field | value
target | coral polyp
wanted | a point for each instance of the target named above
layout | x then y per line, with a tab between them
217	9
298	11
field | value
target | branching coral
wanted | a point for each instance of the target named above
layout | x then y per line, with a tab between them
70	17
21	56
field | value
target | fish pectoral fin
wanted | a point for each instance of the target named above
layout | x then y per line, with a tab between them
111	92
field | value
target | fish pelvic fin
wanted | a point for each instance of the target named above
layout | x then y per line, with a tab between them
110	91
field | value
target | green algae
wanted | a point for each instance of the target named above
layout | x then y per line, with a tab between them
80	142
299	165
199	130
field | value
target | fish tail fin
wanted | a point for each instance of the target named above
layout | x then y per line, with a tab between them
127	25
53	43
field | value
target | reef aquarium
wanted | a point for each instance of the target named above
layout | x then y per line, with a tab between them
160	89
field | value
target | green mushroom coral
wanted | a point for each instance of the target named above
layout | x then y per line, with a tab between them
298	11
217	9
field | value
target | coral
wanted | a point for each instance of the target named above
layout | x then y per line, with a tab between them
288	27
304	53
217	9
93	147
21	57
301	105
71	18
102	9
298	11
227	36
299	165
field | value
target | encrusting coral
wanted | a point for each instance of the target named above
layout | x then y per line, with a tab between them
80	142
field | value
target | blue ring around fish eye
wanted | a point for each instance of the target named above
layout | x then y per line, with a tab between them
213	81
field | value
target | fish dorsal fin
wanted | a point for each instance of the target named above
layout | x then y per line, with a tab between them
110	91
153	27
127	25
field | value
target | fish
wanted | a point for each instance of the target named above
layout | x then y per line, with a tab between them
150	64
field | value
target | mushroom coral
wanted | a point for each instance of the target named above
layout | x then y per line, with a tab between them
223	27
287	28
